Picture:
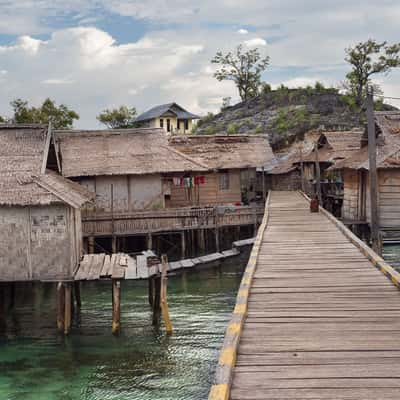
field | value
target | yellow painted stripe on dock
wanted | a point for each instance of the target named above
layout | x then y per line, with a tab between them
228	357
219	392
234	328
243	293
240	309
246	281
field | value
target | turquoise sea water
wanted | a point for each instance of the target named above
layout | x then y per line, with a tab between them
142	363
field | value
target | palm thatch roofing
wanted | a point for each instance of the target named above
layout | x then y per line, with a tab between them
387	124
226	151
335	146
23	178
167	110
120	152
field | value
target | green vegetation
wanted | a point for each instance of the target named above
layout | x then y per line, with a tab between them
244	68
210	130
288	118
60	116
209	117
367	59
232	129
118	118
259	129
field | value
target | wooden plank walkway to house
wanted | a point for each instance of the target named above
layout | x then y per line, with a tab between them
319	321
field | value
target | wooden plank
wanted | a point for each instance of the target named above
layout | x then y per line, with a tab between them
322	322
105	271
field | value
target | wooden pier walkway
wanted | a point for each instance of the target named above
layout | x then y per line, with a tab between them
314	318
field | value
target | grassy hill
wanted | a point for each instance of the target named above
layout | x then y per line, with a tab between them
286	114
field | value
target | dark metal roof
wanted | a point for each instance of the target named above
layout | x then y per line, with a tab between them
158	111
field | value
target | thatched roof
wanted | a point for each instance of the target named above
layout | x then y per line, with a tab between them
387	124
226	151
23	178
120	152
335	146
169	109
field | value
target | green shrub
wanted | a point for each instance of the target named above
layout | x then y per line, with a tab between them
210	130
259	129
232	129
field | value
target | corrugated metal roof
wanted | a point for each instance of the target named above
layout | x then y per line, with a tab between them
162	109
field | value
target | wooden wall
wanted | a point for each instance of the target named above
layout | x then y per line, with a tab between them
351	194
389	198
289	181
207	194
355	203
39	243
130	192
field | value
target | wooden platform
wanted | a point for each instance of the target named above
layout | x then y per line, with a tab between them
322	322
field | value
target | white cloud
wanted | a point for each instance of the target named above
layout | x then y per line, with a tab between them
86	68
256	42
58	81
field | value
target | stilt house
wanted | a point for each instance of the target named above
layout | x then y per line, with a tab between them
232	161
40	222
355	172
130	169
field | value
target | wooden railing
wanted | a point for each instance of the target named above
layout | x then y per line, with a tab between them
142	222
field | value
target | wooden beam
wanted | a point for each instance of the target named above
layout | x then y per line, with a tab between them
373	174
157	300
67	308
183	245
163	295
77	292
60	306
116	304
318	175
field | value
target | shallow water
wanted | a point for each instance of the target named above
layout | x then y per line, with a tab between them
142	363
391	254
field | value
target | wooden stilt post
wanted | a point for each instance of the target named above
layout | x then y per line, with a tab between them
60	306
116	300
91	244
183	245
12	296
77	291
263	184
216	230
149	241
318	175
3	324
201	241
302	170
114	247
373	173
151	290
156	300
164	302
67	308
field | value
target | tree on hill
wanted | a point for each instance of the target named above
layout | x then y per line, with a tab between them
367	59
118	118
60	116
244	68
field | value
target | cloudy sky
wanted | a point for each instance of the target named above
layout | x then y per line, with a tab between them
96	54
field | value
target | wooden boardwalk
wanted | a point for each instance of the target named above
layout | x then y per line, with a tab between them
321	322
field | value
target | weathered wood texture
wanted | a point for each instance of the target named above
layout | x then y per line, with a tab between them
105	224
322	322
